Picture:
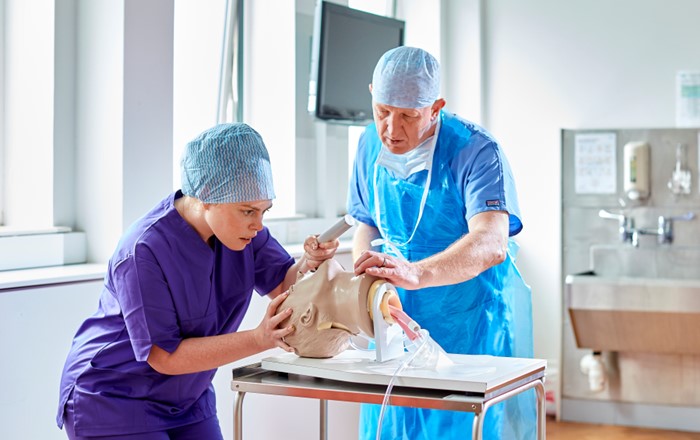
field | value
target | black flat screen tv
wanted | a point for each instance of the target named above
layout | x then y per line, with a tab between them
347	44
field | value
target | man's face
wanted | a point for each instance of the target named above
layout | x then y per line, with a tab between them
328	307
403	129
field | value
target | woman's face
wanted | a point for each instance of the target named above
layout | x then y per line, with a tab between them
236	224
328	307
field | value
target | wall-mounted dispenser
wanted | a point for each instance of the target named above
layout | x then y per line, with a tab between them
636	170
681	178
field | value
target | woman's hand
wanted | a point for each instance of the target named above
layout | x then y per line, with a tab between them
316	253
268	334
398	272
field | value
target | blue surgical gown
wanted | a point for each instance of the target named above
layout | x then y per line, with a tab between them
164	284
490	314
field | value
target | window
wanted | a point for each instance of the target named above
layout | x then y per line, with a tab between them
311	159
198	33
86	113
34	90
267	79
273	76
93	120
2	111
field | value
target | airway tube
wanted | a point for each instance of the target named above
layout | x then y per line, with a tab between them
405	363
409	326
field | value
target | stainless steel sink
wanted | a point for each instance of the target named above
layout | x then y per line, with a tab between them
641	300
658	261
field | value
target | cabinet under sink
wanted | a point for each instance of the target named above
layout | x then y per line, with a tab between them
657	315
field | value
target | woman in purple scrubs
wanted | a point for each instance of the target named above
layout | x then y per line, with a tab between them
176	290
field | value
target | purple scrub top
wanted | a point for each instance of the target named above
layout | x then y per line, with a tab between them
163	284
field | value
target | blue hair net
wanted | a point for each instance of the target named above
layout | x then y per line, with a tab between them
227	164
406	77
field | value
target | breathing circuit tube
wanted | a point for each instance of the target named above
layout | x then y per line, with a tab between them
423	342
416	341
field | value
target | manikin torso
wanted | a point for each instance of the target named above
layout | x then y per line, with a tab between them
328	307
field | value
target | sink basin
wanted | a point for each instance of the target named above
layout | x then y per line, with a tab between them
657	261
637	300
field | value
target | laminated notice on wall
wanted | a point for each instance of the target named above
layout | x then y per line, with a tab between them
595	163
688	99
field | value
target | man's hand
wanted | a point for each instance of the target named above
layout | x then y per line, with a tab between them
398	272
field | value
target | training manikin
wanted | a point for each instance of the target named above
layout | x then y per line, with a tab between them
329	306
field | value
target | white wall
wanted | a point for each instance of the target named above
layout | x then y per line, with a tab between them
422	19
575	64
99	131
462	64
37	325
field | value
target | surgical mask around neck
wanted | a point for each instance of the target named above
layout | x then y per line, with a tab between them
411	162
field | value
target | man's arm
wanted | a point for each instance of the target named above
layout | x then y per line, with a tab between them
364	234
483	247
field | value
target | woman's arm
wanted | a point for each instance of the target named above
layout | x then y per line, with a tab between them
193	355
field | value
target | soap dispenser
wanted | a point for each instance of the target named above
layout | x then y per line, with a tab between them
636	170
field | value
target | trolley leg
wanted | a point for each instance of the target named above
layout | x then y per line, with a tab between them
323	419
478	425
541	410
538	385
238	416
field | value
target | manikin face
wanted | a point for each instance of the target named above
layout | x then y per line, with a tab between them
328	307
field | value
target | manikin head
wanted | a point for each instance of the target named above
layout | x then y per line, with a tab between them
329	306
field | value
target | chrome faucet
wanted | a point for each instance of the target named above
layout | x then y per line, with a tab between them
625	225
664	229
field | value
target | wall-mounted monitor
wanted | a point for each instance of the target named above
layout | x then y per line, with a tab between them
347	44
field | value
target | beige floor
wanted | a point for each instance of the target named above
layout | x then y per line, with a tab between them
582	431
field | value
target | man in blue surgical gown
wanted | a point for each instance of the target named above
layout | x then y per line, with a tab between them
437	205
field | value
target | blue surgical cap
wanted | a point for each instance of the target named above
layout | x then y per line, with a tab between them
406	77
227	164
